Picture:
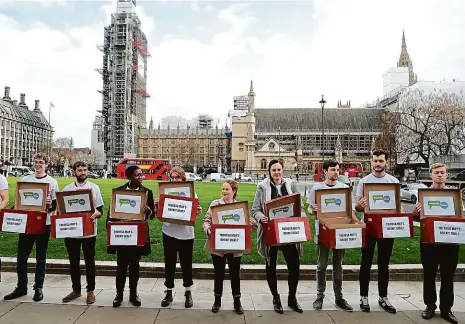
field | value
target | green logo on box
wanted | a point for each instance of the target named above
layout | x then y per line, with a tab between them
126	201
384	198
177	193
33	195
234	217
336	201
438	203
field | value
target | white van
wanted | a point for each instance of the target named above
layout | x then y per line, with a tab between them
217	177
19	171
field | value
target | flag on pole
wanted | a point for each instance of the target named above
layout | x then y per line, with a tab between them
49	108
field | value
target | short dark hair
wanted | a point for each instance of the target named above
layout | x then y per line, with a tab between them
379	152
130	171
78	164
42	156
329	164
274	161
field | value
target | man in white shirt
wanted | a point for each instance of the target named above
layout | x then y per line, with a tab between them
26	241
73	245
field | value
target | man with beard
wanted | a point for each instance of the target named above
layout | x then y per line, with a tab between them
379	175
73	245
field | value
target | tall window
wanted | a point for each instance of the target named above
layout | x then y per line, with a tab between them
263	164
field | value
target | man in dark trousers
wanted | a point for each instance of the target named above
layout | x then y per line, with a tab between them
434	255
129	256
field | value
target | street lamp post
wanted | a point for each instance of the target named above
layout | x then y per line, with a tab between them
279	144
322	103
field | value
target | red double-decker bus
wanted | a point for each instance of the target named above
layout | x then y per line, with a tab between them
153	169
354	169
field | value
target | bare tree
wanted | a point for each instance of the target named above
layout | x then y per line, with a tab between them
62	150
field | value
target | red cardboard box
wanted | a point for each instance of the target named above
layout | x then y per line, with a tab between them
389	225
72	225
228	238
127	233
22	221
175	209
290	230
439	222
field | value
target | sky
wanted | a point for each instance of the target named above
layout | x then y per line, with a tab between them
203	53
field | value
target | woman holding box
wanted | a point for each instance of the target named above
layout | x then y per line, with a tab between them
273	187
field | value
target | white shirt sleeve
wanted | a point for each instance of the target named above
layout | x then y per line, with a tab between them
53	190
97	197
3	183
359	193
311	196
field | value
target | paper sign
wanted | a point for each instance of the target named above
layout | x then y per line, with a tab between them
382	199
333	203
178	191
348	238
15	223
438	206
290	232
282	212
177	209
123	235
396	227
77	203
232	216
127	204
69	227
230	239
449	232
31	197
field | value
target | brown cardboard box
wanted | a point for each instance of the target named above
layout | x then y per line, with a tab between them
127	204
280	207
67	195
233	217
20	200
370	208
175	188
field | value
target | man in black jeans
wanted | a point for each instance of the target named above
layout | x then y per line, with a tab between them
26	241
73	245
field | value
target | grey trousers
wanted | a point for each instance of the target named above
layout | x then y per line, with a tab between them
338	259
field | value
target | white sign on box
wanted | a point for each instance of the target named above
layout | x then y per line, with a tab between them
232	239
232	216
382	199
127	204
14	223
281	212
123	235
348	238
178	191
396	227
290	232
333	203
31	197
69	227
449	232
438	206
177	209
77	203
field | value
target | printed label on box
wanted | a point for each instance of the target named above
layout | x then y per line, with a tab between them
382	199
348	238
290	232
76	203
281	212
232	216
31	197
177	209
438	206
230	239
123	235
181	191
14	223
333	203
449	232
128	204
396	227
69	227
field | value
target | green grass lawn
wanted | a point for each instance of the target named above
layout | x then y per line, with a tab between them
405	250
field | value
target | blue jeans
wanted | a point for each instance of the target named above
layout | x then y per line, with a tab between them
25	244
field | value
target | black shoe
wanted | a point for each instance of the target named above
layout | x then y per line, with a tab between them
38	295
238	306
18	292
135	300
428	313
118	300
278	308
216	305
168	299
364	305
448	316
386	305
344	305
293	304
189	302
318	303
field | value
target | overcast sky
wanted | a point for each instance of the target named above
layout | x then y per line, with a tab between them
204	53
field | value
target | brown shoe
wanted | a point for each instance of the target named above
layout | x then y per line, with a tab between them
72	296
90	297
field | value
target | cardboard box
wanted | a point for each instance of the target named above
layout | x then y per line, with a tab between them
128	204
182	189
441	219
22	221
236	213
336	227
383	198
290	230
127	233
31	196
389	225
177	209
75	201
72	225
227	238
283	207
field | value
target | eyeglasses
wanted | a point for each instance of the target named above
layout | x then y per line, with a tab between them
39	162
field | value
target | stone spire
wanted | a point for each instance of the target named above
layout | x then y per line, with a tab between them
251	99
405	61
151	124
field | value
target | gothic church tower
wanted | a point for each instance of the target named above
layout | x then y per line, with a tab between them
405	61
